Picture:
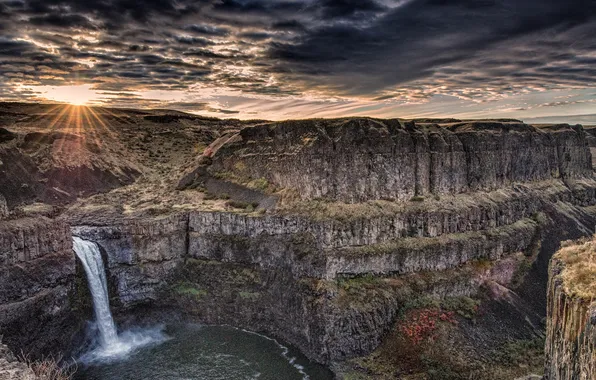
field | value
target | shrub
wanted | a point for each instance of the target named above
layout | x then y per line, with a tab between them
48	368
259	184
464	306
421	325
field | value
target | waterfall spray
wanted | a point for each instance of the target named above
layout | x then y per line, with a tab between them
111	346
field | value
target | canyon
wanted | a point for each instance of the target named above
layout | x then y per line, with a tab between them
338	237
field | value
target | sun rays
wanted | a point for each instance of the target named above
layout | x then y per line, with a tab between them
79	129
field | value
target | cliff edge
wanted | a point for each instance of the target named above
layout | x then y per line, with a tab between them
571	323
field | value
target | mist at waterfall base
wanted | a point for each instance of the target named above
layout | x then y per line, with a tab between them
110	346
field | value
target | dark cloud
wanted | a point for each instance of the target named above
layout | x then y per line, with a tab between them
292	25
380	49
208	30
194	41
332	9
62	21
420	38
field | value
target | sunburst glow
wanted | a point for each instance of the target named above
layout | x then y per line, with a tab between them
76	95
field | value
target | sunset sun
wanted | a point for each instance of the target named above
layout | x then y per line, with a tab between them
76	95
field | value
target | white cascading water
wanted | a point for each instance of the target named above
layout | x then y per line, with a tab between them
112	346
88	253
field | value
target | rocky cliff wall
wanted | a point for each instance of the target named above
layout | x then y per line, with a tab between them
142	255
571	321
331	286
355	160
37	271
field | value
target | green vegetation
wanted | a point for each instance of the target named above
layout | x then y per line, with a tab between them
463	306
189	289
243	205
355	283
259	184
252	296
528	353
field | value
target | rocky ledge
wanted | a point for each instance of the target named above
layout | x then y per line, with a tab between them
335	236
571	321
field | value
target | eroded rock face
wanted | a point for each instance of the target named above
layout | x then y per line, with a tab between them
3	207
354	160
57	167
37	269
283	274
571	329
332	286
142	255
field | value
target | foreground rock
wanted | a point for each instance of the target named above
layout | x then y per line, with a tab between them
13	369
571	323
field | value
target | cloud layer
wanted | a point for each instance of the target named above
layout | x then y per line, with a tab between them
383	51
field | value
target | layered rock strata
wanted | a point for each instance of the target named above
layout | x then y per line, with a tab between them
332	286
354	160
407	210
37	270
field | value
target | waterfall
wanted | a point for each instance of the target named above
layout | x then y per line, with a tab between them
88	253
112	346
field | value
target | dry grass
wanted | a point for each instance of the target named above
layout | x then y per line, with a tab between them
579	274
48	368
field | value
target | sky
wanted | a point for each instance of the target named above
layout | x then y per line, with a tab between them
282	59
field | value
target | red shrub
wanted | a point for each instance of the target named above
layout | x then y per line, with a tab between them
421	324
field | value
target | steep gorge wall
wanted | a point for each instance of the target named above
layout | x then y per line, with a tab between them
330	284
283	274
571	329
37	270
142	255
354	160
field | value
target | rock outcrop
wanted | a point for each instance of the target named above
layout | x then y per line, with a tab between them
571	320
11	368
37	270
359	159
142	255
3	207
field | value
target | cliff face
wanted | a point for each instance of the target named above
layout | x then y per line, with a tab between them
571	320
141	255
37	270
333	286
354	160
